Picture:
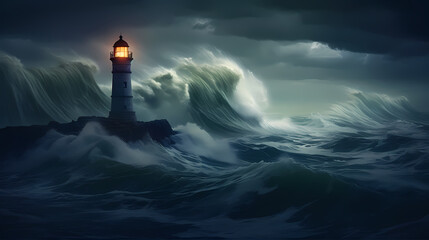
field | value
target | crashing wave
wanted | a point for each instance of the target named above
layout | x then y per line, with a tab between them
39	95
211	95
373	110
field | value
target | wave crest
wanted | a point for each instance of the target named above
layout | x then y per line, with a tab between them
40	95
212	96
374	110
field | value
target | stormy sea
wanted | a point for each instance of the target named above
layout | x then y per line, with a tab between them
359	170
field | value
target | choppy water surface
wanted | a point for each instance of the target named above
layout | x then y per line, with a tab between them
359	171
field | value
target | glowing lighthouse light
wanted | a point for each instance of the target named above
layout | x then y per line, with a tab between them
121	51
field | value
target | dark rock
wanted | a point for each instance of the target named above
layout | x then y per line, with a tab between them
15	139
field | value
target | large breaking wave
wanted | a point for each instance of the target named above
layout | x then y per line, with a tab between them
373	110
39	95
220	96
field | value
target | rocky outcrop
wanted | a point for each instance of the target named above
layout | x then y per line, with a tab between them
16	139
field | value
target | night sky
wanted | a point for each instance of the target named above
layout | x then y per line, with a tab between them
306	53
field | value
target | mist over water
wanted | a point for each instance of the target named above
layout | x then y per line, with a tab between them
358	171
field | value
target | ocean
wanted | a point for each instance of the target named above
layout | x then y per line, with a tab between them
360	170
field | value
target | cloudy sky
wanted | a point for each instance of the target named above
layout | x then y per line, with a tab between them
307	53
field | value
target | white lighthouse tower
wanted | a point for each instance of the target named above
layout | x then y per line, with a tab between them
122	96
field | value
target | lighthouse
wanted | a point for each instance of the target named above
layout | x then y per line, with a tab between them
122	97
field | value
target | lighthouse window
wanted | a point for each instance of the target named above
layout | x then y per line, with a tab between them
125	84
121	51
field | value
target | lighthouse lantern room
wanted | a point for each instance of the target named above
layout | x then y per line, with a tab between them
122	97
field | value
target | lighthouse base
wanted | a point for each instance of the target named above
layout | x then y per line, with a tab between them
125	116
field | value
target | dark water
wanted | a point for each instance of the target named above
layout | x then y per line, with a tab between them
359	171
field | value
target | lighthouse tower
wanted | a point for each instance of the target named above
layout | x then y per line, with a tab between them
122	96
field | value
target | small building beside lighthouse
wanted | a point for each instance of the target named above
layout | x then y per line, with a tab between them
122	97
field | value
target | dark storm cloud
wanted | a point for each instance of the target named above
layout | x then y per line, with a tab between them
397	29
382	27
74	20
